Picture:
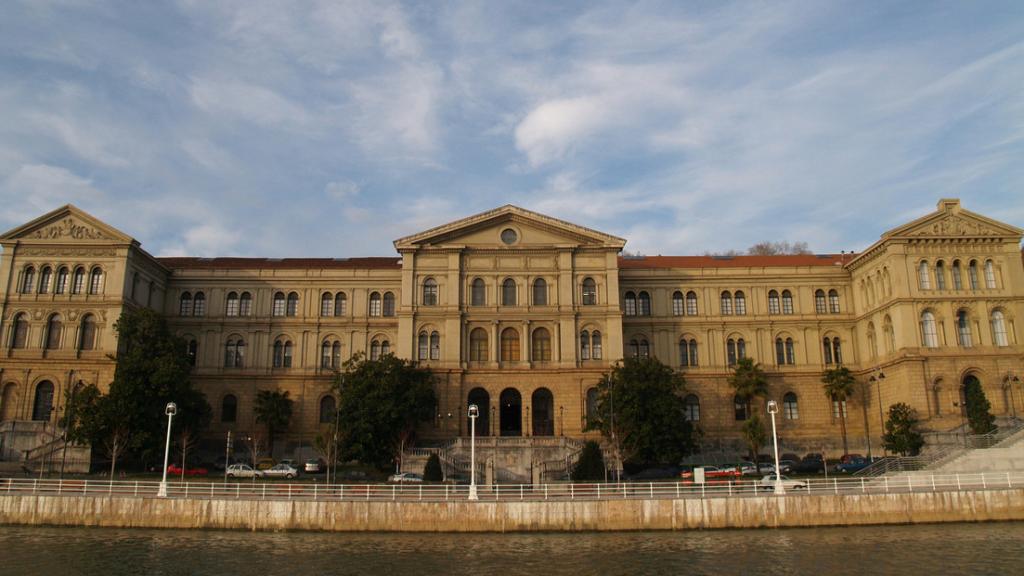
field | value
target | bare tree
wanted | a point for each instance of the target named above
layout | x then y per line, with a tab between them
769	248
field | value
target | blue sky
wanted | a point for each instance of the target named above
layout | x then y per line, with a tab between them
260	128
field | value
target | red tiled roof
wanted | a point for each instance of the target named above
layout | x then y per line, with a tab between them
282	263
642	262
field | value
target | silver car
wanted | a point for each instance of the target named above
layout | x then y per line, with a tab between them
243	471
768	483
281	471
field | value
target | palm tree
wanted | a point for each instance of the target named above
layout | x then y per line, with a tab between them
748	380
838	387
274	409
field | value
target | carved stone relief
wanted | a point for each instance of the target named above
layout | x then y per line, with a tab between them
71	229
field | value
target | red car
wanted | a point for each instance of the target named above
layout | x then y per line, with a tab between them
175	470
711	472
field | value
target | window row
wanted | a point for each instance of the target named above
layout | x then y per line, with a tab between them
509	345
240	304
736	349
58	283
691	407
53	337
930	332
954	278
509	295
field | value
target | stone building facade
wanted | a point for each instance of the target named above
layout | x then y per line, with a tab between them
521	314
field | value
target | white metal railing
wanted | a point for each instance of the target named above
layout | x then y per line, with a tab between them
247	490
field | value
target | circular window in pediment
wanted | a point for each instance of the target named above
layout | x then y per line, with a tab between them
509	236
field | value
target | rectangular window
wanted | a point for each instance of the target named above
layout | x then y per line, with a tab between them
677	306
232	307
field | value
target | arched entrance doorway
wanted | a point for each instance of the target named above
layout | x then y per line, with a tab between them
482	399
511	412
43	404
543	412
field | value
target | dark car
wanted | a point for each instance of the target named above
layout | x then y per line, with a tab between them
811	464
852	464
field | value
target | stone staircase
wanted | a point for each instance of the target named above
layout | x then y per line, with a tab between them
507	460
39	446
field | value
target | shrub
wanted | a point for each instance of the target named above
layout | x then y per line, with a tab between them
590	466
432	471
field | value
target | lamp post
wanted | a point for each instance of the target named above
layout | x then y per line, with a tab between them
171	410
1010	380
962	407
561	420
875	379
881	417
474	413
773	409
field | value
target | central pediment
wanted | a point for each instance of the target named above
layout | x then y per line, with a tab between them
952	221
68	224
509	227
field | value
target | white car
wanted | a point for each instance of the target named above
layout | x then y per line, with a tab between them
281	471
406	477
768	483
243	471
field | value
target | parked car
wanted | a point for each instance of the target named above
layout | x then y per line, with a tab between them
243	471
853	463
175	470
768	483
812	463
315	465
405	477
713	472
281	471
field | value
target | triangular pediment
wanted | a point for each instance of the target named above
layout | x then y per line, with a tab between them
952	221
531	230
68	224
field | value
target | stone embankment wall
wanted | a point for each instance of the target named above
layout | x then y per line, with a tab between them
603	515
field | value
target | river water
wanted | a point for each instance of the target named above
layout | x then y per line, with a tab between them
996	548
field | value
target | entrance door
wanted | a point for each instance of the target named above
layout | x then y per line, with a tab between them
511	412
543	413
482	399
44	401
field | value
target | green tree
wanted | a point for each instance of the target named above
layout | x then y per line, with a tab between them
901	434
979	415
838	384
590	465
432	470
380	404
640	410
748	380
273	409
755	436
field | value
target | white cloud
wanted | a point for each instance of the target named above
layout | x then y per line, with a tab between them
248	102
35	189
342	190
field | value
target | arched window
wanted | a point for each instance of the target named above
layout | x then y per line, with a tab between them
741	348
773	302
430	292
389	304
589	292
584	345
687	352
790	352
234	353
958	281
509	345
787	302
691	303
326	304
790	409
54	329
739	408
96	281
478	293
819	300
780	351
923	277
827	349
45	277
839	410
726	303
643	302
28	280
972	274
929	333
963	329
890	334
229	409
872	340
87	338
541	345
279	304
940	275
833	301
325	354
644	349
135	285
691	408
375	350
999	329
42	408
375	304
62	280
199	304
336	355
435	345
730	352
990	275
78	281
629	303
328	411
677	303
231	309
591	404
540	292
478	351
508	292
833	353
340	301
245	304
192	351
288	354
741	303
423	345
185	304
293	304
595	345
19	331
278	354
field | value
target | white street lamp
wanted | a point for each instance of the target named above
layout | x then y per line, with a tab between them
171	410
773	409
474	413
